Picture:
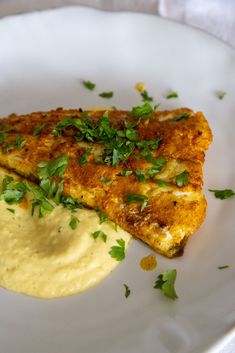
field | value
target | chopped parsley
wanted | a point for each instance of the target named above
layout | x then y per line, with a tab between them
149	144
106	180
145	96
3	136
158	164
144	111
100	234
89	85
166	283
83	157
140	176
18	143
160	182
73	222
125	172
12	192
40	201
53	168
221	95
11	210
127	290
182	179
102	216
70	203
181	116
106	94
137	198
172	94
37	131
118	251
223	267
223	194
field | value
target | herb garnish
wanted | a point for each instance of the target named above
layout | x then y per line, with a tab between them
182	179
172	94
53	168
106	180
118	251
37	131
223	194
18	143
140	176
144	111
102	216
221	95
83	157
73	222
3	137
100	234
70	203
106	94
127	290
166	282
223	267
89	85
11	210
181	116
44	205
12	192
125	172
145	96
137	198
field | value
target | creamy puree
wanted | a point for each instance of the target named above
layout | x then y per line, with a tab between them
45	258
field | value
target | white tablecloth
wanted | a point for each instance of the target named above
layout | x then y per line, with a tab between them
214	16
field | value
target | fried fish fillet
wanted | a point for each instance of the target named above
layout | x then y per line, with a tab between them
172	213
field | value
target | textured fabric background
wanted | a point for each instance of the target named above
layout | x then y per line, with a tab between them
214	16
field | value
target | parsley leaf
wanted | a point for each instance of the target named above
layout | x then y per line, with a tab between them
73	222
53	168
137	198
11	210
151	144
127	290
182	179
140	176
172	94
106	94
223	194
118	251
181	116
166	283
144	111
83	157
125	172
160	182
38	129
44	205
12	192
99	234
106	180
158	165
70	203
145	96
221	95
131	134
18	143
89	85
223	267
3	137
102	216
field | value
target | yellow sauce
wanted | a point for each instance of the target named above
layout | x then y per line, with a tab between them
148	263
44	257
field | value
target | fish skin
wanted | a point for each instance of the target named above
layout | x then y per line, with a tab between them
172	213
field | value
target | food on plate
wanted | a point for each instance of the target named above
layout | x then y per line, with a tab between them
50	257
142	168
148	263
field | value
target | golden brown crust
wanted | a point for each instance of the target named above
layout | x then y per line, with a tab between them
172	213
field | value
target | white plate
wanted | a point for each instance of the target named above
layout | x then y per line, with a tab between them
43	57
